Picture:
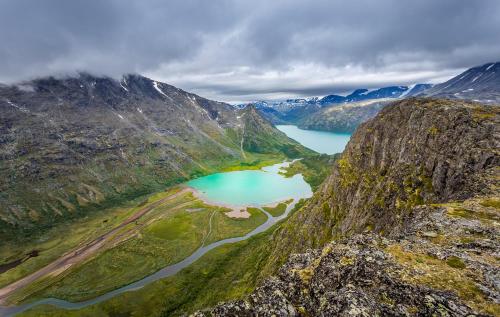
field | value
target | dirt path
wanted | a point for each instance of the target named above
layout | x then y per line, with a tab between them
81	253
209	229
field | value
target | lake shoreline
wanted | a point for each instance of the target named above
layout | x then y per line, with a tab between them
238	190
320	141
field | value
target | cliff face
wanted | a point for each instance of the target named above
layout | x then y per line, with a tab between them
416	151
412	207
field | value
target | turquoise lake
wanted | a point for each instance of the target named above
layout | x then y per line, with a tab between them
319	141
267	186
251	188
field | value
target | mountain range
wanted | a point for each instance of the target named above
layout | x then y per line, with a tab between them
338	113
72	145
404	222
298	111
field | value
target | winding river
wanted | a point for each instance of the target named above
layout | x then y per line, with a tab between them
296	188
242	188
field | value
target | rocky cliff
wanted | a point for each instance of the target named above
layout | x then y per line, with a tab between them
412	208
71	145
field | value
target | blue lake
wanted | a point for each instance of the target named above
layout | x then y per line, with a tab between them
241	188
251	187
319	141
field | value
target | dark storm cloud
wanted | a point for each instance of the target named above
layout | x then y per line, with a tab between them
240	50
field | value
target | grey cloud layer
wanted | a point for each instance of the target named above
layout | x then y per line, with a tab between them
247	49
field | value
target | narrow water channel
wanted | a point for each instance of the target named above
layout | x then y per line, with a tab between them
165	272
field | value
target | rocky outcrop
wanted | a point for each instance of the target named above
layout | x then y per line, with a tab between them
412	208
441	267
414	152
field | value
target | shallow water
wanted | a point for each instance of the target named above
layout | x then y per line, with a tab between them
251	187
319	141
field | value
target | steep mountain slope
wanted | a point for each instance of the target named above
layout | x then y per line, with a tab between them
413	205
414	151
415	90
343	118
481	83
72	145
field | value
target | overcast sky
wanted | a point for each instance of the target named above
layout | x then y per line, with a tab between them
248	50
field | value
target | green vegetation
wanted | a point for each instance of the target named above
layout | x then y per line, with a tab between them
450	275
491	202
224	227
106	177
228	272
458	210
279	209
314	168
433	131
255	162
481	113
455	262
165	235
55	242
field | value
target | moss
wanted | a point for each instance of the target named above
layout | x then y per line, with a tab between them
348	175
480	114
427	182
466	239
440	239
306	274
369	227
302	311
440	274
277	210
433	131
326	208
385	299
491	202
455	262
344	261
483	216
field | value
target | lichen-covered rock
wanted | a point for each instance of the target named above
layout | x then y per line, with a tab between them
414	152
359	276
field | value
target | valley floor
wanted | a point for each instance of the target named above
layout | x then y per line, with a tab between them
114	247
122	245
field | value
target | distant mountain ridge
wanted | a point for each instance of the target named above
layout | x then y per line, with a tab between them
343	118
481	84
355	96
295	111
365	94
